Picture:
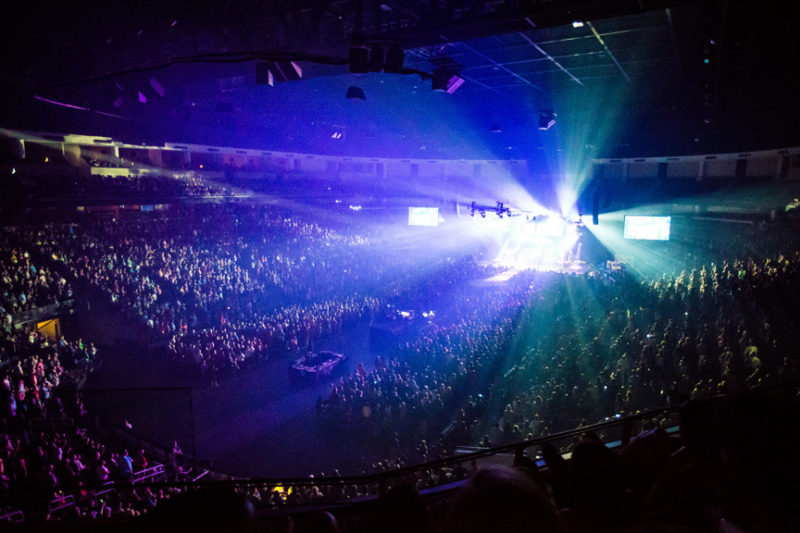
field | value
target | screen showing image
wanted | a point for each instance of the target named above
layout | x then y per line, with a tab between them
423	216
647	228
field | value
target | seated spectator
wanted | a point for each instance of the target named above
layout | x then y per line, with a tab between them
502	499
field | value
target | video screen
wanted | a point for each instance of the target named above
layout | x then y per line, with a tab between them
423	216
646	228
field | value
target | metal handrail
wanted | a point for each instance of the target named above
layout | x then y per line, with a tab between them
14	517
61	502
147	473
381	478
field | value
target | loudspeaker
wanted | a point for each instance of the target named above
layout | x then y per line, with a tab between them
359	60
395	57
376	58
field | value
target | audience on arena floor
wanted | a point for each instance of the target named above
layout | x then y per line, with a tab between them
279	288
574	350
542	353
25	284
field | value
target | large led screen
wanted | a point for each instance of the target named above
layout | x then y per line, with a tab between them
423	216
646	228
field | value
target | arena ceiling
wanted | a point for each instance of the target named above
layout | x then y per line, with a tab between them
670	77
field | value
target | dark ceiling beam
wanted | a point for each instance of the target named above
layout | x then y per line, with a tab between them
500	66
460	23
676	50
608	50
720	49
551	58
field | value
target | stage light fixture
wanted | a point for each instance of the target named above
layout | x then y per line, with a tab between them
445	80
271	72
157	87
547	120
355	93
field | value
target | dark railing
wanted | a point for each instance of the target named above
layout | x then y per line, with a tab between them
38	314
434	475
148	473
14	517
61	502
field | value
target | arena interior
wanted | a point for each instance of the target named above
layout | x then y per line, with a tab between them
400	266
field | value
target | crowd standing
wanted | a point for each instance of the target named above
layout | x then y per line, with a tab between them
541	353
46	454
550	352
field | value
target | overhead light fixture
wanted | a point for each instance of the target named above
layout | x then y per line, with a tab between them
355	93
577	24
157	87
337	132
358	59
501	210
271	72
547	120
446	81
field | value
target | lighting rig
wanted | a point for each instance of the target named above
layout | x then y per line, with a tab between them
500	209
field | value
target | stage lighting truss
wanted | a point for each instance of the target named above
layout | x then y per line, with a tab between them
500	210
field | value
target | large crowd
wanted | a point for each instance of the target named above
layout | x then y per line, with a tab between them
125	180
45	456
731	468
540	353
550	352
216	278
25	285
226	285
